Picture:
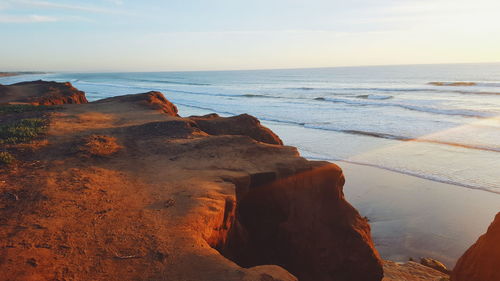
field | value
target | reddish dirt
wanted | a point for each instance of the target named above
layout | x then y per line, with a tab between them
157	207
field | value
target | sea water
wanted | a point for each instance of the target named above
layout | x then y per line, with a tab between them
392	117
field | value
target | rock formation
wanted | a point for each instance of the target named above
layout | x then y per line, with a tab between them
161	197
153	100
452	84
301	221
435	264
481	262
411	271
41	93
243	124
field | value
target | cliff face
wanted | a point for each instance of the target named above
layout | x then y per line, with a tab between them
124	189
481	262
301	221
42	93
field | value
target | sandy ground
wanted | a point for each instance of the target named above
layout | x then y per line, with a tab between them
415	217
124	189
67	215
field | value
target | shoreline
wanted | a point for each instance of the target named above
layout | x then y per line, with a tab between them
413	217
251	180
357	147
442	242
458	185
385	181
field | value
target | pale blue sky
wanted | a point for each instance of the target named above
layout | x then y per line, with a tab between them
153	35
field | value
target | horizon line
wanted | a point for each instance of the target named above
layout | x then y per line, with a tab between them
245	69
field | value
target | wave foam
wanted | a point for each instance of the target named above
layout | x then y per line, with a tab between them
426	109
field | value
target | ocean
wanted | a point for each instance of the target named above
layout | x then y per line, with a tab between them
414	119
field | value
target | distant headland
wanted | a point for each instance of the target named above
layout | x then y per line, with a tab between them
7	74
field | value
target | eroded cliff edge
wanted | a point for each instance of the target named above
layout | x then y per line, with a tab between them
125	189
41	93
481	262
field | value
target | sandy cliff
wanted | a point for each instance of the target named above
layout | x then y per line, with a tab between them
41	93
481	262
125	189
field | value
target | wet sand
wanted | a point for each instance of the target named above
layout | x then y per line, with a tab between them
415	217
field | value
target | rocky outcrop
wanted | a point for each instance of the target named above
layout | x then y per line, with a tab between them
481	262
455	84
151	99
160	197
303	223
243	124
434	264
42	93
411	271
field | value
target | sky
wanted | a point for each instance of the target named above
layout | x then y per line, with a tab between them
154	35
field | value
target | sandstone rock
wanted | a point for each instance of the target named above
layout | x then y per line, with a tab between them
435	264
243	124
452	83
303	223
42	93
151	99
481	262
411	271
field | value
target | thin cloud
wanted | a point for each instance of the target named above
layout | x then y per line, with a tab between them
116	2
26	19
52	5
276	32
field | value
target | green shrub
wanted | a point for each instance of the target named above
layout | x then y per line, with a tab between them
21	131
19	108
6	158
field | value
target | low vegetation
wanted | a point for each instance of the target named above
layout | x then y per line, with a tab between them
20	123
20	108
6	158
100	146
22	130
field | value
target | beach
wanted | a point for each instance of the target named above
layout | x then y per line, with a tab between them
413	217
410	216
